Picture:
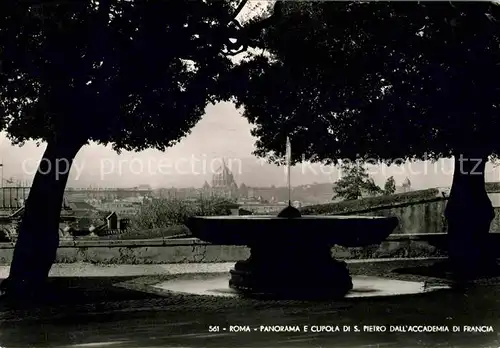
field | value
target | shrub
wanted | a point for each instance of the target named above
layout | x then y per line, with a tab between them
168	212
162	213
177	230
359	205
214	206
492	187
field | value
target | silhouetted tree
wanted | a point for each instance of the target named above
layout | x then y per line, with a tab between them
390	186
385	81
134	74
355	182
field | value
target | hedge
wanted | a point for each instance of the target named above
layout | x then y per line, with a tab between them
373	203
492	187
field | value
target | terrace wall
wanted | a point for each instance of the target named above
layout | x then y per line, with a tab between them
191	250
418	212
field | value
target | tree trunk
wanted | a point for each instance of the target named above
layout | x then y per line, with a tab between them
469	213
38	239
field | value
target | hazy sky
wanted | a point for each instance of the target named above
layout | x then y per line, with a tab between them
222	132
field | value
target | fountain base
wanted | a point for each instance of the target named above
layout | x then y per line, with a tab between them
295	271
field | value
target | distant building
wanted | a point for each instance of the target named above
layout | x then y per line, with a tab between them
223	184
263	208
138	199
223	178
206	186
265	194
405	186
121	208
81	208
107	193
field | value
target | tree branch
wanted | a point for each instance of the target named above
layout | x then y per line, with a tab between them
238	9
248	35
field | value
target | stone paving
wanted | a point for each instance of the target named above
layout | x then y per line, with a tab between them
116	317
107	270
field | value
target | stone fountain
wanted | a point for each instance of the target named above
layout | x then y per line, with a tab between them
290	254
292	257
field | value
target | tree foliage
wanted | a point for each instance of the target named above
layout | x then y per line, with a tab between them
383	80
167	212
386	81
355	182
134	74
390	186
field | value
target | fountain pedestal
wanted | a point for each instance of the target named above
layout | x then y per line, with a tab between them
291	271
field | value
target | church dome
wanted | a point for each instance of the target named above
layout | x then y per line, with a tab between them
223	178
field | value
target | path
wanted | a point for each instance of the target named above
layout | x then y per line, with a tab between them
115	270
106	316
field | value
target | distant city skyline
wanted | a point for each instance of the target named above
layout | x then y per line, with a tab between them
222	133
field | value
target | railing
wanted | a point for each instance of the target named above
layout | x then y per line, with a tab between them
13	197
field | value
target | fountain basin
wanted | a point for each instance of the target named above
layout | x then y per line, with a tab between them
346	231
291	258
